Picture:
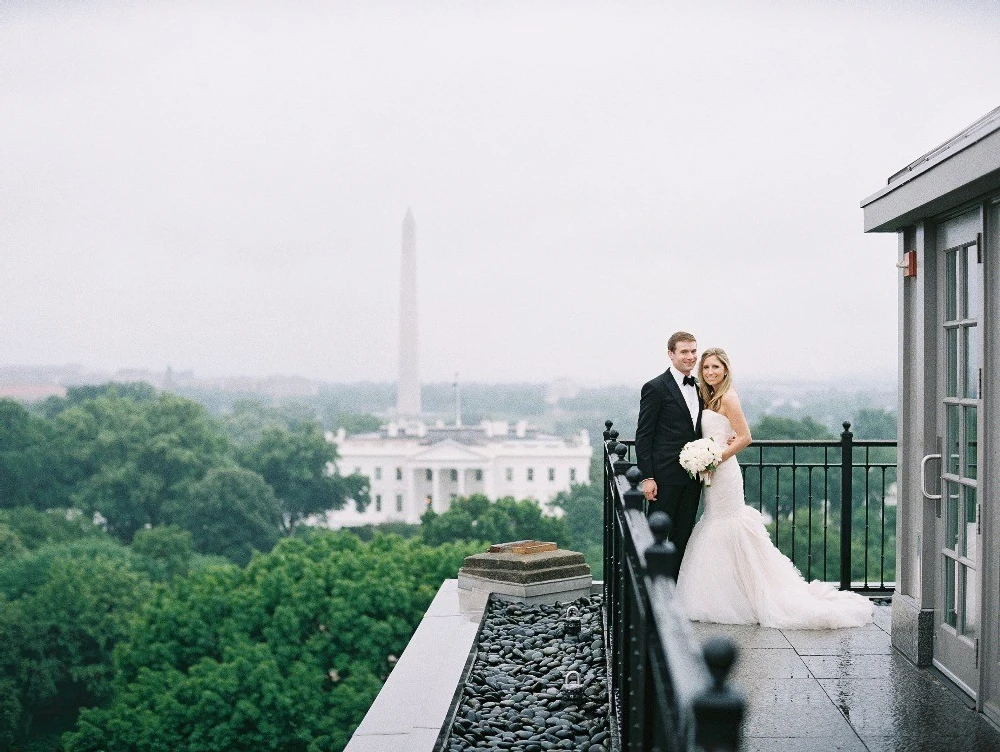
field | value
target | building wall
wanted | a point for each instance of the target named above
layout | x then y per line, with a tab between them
990	490
921	375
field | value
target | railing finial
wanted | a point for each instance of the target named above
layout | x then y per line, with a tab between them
718	711
633	497
720	655
620	465
661	557
607	429
661	525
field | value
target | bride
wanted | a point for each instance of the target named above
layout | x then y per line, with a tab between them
731	572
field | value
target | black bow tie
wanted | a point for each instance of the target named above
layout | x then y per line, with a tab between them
689	380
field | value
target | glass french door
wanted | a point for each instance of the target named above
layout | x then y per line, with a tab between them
958	396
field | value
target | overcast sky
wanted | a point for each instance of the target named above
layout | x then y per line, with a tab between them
221	186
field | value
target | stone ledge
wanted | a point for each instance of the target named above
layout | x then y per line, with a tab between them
414	703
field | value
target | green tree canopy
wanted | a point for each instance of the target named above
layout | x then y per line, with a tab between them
35	528
476	518
28	460
135	461
776	427
300	465
247	419
583	516
163	552
63	608
871	423
137	391
233	512
287	654
357	422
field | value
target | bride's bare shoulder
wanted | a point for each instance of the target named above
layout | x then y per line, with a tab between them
731	398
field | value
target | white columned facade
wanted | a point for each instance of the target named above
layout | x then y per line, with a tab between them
437	503
407	462
414	504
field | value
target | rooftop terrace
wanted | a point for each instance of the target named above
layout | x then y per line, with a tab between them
846	689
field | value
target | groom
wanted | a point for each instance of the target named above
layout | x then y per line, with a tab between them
670	417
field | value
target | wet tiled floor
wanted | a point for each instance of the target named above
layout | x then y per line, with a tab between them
846	689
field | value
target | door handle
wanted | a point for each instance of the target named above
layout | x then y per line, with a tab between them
923	475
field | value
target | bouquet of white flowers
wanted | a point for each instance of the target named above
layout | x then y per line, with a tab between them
701	456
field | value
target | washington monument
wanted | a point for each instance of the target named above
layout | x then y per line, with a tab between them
408	385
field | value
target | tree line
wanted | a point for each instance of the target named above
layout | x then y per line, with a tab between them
137	459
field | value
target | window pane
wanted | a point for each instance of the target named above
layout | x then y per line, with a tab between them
950	617
971	442
952	344
972	284
951	283
970	364
951	516
951	445
970	602
969	519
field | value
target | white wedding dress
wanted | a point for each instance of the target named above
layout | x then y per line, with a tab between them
733	574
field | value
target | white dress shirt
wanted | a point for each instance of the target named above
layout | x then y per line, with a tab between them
690	394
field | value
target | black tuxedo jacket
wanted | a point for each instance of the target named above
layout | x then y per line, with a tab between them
664	428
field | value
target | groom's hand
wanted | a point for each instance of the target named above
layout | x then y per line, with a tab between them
649	489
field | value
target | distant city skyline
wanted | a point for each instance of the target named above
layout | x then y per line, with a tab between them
219	187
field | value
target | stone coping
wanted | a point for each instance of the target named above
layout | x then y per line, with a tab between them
415	700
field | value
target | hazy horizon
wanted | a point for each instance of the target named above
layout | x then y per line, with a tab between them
220	187
8	374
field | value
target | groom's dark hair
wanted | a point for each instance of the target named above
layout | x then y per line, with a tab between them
679	337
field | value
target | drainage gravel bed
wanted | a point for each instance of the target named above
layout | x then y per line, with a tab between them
538	681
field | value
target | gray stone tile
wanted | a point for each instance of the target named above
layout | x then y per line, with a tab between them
769	663
907	707
745	635
843	743
853	666
904	741
791	708
867	640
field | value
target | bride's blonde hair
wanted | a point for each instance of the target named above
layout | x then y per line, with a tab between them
712	396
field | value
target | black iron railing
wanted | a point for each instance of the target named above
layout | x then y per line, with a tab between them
830	504
667	693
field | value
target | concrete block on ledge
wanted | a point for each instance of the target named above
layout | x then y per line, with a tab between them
544	577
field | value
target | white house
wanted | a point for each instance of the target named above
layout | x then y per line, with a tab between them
413	466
